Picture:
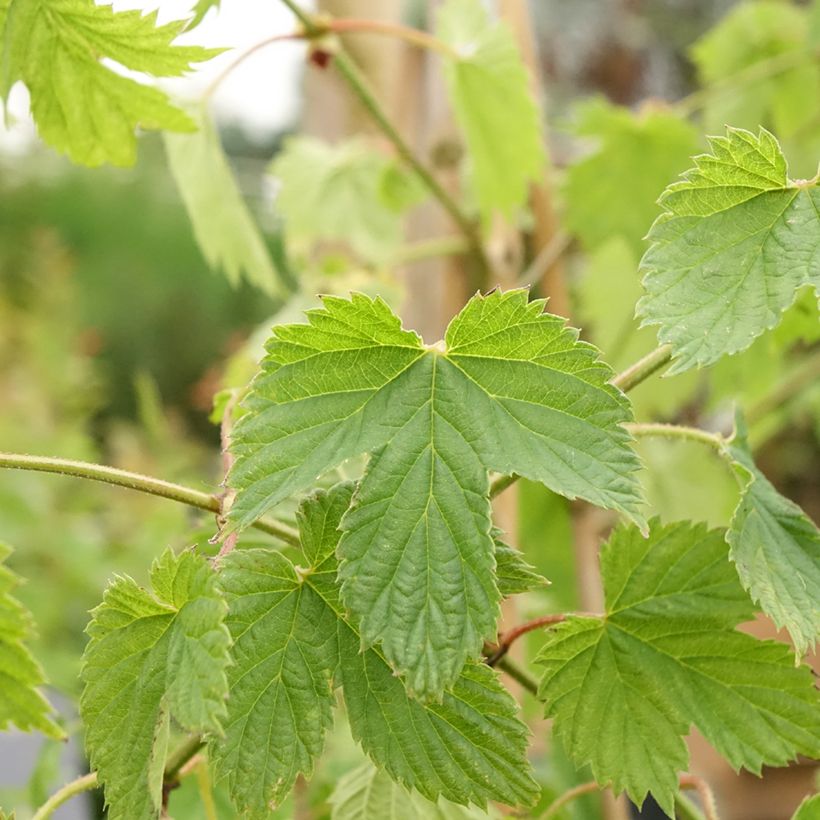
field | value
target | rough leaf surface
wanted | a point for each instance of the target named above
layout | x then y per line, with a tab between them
80	105
223	226
489	90
367	793
737	240
513	391
625	688
152	655
21	702
469	748
776	549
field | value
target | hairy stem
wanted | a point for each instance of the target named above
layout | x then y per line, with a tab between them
72	789
678	431
361	90
138	482
643	368
508	638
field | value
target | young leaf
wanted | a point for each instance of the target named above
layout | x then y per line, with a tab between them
625	688
514	391
736	241
346	193
153	655
613	191
223	226
281	700
81	106
513	573
367	793
471	747
490	93
776	550
21	702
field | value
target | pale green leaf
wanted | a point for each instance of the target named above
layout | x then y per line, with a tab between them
367	793
489	88
736	242
80	105
776	549
753	34
21	702
348	193
201	8
625	688
152	656
513	391
513	573
614	190
223	226
809	809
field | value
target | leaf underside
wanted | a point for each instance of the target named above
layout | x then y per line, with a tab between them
735	243
624	689
515	391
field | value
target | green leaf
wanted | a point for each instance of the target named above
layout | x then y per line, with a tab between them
291	636
201	8
513	573
347	192
737	240
223	226
81	106
625	688
513	391
367	793
153	655
22	704
809	809
776	550
614	190
489	89
750	35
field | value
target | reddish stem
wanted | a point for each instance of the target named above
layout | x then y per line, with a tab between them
506	640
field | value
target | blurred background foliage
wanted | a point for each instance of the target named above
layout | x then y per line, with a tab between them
116	336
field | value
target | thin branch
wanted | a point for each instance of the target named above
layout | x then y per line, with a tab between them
508	638
568	797
72	789
643	368
361	90
678	431
707	796
227	496
545	258
138	482
430	248
519	675
416	37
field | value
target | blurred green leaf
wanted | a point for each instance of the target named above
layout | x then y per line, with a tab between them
224	228
809	809
491	96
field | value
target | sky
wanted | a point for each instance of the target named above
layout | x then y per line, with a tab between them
262	95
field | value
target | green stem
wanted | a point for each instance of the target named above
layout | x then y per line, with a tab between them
72	789
138	482
686	809
413	36
430	249
518	674
361	90
643	368
180	756
568	797
678	431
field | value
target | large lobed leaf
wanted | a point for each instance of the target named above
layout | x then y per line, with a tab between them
21	702
223	225
292	638
153	655
776	550
80	105
513	390
625	688
737	240
490	92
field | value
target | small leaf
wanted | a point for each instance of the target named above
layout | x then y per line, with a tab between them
81	106
613	191
809	809
513	573
152	656
21	703
514	391
201	8
625	688
736	242
776	550
367	793
490	92
223	226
